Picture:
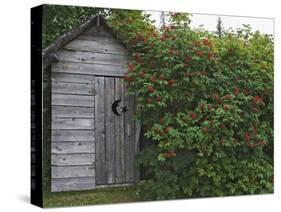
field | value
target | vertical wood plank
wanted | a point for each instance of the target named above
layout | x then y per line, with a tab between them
119	133
129	137
137	142
100	130
110	132
94	124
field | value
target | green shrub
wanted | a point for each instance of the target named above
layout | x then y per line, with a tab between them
207	106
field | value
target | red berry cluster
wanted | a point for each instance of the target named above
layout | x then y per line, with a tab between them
248	139
169	154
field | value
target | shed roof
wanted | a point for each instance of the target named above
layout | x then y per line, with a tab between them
49	53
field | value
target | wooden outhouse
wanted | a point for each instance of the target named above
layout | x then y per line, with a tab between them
94	135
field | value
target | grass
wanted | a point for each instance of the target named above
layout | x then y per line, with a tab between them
97	196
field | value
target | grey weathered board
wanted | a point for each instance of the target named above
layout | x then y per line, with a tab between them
73	147
78	78
72	88
96	46
91	57
97	31
72	100
129	138
73	159
73	135
73	184
72	171
109	130
90	69
100	130
119	135
73	112
91	146
100	38
72	123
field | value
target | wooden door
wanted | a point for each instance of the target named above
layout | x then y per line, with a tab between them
115	132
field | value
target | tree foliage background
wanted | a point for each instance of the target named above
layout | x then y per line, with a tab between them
59	19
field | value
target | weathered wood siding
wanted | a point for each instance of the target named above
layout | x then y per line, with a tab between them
91	146
73	137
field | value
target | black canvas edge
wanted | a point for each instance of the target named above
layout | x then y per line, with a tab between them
36	106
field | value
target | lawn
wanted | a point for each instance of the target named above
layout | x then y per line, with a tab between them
97	196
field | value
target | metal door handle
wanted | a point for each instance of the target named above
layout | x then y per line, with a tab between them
128	130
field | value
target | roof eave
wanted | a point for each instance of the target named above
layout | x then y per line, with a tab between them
48	54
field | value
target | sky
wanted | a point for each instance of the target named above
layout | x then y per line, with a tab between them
209	22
